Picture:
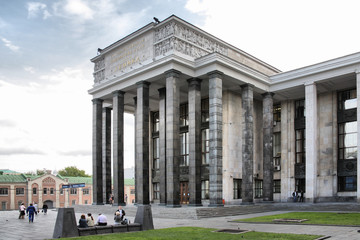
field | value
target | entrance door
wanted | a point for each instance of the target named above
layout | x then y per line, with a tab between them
184	193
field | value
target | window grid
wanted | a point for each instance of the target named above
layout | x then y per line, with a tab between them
156	153
258	188
205	147
205	189
237	188
184	149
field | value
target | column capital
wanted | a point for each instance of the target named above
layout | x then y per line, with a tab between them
143	83
268	94
118	93
215	74
247	85
172	73
309	83
97	101
194	81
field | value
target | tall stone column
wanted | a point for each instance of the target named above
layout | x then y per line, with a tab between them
97	152
358	133
135	137
215	138
118	142
162	142
268	166
106	158
195	141
311	141
142	143
248	144
172	138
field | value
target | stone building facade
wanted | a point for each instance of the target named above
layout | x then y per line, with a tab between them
215	125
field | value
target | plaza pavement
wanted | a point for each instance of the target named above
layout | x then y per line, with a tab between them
13	228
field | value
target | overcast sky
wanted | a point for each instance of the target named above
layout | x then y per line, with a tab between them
45	71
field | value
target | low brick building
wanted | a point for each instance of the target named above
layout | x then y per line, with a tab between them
17	188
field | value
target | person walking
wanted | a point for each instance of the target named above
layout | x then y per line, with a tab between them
45	208
22	209
31	212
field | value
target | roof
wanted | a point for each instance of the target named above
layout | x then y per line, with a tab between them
8	171
13	178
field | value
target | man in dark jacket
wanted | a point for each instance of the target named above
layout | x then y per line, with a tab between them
31	211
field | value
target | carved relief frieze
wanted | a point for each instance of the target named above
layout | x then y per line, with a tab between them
99	76
100	64
175	36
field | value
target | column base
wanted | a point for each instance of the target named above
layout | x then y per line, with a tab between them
173	205
216	205
119	204
247	203
195	205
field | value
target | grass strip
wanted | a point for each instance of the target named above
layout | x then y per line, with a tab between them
181	233
321	218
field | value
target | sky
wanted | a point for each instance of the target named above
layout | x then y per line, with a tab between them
46	47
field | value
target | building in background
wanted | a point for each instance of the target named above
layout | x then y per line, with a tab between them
214	124
48	189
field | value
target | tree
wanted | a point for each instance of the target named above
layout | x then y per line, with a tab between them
72	171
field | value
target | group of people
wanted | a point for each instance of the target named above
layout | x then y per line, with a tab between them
102	220
298	196
30	211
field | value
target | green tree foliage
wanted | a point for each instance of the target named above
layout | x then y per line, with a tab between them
40	172
72	171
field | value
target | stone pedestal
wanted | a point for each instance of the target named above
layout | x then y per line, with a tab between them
144	217
65	225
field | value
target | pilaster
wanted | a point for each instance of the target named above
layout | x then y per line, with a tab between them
248	144
194	103
162	142
215	138
268	166
135	137
118	146
311	141
97	152
172	138
142	143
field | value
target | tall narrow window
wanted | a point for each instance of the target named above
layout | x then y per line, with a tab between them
205	189
300	146
277	114
156	154
184	149
277	186
205	146
277	150
348	140
300	111
51	191
155	121
205	110
237	188
258	188
347	100
184	115
34	191
45	191
156	187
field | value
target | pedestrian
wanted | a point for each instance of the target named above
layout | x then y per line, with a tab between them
22	209
31	212
90	220
302	196
82	222
36	208
45	208
101	220
294	195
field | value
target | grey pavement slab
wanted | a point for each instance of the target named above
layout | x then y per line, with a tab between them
13	228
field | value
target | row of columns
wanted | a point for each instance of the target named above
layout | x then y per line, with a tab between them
169	112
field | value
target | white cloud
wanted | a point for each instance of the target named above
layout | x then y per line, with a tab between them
37	8
10	45
79	9
29	69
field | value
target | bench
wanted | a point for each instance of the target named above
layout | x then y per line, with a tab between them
133	227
